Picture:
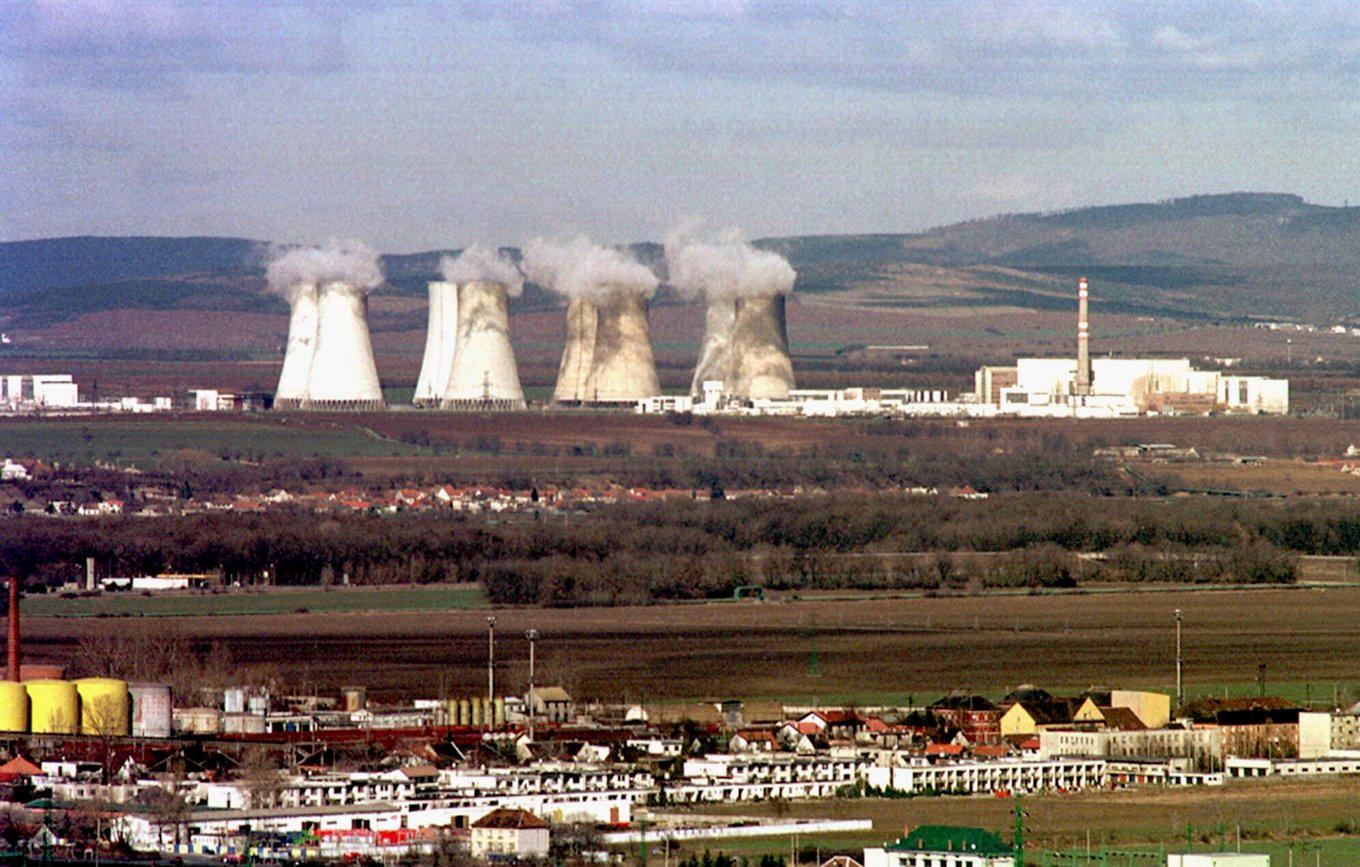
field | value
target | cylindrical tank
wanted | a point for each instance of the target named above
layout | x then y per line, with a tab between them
761	367
258	703
624	369
476	718
355	698
152	710
343	374
243	724
483	374
578	353
297	358
13	707
198	720
234	699
440	344
464	712
716	350
500	711
53	707
104	706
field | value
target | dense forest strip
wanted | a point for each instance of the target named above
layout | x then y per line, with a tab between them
696	549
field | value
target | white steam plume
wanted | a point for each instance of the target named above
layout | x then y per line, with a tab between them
481	263
724	267
578	268
351	262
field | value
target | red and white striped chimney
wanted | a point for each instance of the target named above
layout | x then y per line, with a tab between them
1083	340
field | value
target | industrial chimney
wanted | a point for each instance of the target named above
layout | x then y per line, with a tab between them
297	358
760	365
1083	386
715	352
623	370
343	375
578	353
483	374
440	344
13	671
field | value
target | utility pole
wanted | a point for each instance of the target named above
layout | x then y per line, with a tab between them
1019	842
532	635
1180	699
490	673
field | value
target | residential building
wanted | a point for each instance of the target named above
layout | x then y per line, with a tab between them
509	832
943	846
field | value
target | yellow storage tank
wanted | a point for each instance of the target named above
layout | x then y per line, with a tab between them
464	712
13	707
53	707
104	706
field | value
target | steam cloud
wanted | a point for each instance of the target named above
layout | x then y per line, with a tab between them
481	263
579	268
351	262
726	267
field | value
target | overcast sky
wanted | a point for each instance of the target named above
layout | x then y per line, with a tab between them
437	124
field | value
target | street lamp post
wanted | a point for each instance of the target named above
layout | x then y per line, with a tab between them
489	716
1179	695
532	635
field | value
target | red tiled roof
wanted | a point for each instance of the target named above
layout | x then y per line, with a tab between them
509	818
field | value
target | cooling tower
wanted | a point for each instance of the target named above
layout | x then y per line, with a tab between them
483	374
297	358
578	354
760	368
440	343
343	375
715	352
623	370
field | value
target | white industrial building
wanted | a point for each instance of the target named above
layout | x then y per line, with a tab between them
41	391
1124	387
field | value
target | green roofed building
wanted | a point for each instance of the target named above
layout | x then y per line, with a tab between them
943	846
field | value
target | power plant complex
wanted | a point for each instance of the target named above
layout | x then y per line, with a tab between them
744	363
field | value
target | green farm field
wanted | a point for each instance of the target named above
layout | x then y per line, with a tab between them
1315	818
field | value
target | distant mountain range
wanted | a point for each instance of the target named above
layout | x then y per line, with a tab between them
1231	256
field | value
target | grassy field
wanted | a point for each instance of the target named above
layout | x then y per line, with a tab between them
318	600
864	650
149	440
1270	815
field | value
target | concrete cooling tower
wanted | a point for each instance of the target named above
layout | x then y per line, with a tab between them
343	375
578	353
715	353
760	366
483	374
297	358
440	344
608	355
623	369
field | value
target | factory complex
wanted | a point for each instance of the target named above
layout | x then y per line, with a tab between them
744	364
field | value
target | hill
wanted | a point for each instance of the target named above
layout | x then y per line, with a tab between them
1235	256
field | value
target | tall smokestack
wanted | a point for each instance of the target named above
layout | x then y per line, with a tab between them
624	370
343	375
715	352
297	358
761	368
12	669
578	353
483	374
1083	340
440	344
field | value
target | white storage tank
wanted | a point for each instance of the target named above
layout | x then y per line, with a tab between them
152	710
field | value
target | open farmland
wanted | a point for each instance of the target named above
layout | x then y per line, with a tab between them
860	650
1269	815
